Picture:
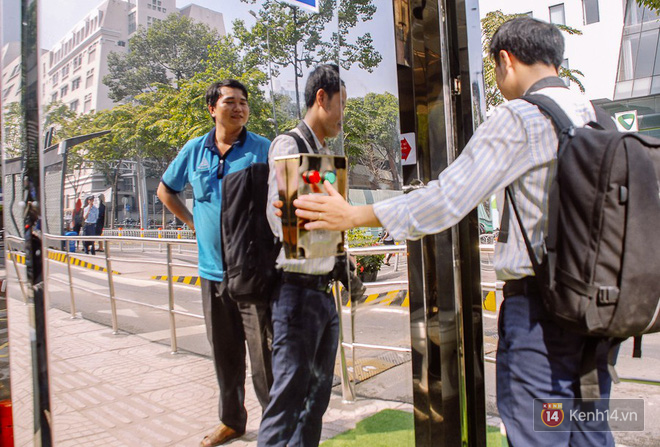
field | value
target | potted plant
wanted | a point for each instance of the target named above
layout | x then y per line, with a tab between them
367	265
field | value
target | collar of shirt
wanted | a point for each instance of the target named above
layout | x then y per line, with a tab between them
321	146
209	141
550	81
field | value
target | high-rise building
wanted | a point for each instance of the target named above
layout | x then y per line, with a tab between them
76	65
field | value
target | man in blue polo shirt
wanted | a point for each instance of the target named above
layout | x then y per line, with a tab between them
204	162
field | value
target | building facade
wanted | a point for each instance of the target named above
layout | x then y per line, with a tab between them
594	52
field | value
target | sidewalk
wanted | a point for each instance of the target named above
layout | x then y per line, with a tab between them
123	390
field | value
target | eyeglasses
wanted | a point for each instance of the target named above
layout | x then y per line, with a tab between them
221	168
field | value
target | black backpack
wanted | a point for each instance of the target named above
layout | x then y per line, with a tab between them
249	247
600	272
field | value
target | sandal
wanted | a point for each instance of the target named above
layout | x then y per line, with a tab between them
219	436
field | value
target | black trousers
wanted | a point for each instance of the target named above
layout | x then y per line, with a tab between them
228	326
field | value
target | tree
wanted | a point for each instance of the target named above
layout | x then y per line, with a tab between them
371	136
299	39
176	47
489	25
651	4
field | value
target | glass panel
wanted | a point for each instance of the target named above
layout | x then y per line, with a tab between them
634	13
655	86
591	12
623	90
641	87
629	47
111	364
557	14
645	55
650	15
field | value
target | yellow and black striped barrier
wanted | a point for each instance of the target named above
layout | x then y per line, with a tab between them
61	257
392	298
190	280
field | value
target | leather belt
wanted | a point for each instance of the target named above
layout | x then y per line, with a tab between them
320	283
523	286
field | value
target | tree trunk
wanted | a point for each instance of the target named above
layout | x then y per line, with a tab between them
114	212
295	66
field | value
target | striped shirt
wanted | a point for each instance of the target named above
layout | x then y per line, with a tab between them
281	146
516	146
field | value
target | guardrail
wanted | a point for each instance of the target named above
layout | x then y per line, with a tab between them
186	238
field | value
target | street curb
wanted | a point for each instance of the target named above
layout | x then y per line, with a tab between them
189	280
61	257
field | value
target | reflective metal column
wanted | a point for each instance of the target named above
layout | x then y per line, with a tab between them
437	88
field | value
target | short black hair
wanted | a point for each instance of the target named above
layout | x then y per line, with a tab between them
530	40
326	77
213	93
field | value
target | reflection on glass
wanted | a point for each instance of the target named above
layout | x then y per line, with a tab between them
119	98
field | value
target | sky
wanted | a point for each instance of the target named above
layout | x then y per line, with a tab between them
57	17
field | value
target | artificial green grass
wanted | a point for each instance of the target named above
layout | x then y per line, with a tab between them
386	428
390	428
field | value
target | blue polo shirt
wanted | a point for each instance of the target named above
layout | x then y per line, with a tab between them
197	164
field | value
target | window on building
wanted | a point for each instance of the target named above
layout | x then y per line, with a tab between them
56	78
77	62
121	43
53	97
73	105
591	12
91	55
6	92
75	84
629	47
87	107
648	42
132	24
557	15
148	5
15	71
65	71
89	81
164	10
64	91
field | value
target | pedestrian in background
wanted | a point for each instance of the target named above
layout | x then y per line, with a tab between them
100	222
77	220
90	216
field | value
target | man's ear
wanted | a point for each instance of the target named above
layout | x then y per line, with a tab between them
211	110
321	97
506	59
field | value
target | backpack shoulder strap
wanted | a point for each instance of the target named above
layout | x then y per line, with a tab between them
559	118
302	147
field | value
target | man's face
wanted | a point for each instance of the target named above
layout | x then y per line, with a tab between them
231	111
333	112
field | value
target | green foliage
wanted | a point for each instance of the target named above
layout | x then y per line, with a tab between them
176	45
358	237
371	135
300	39
651	4
13	128
491	23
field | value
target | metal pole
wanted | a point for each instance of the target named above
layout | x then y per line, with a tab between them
14	258
270	75
347	389
111	287
170	290
73	300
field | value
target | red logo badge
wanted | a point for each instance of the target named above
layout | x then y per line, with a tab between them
552	415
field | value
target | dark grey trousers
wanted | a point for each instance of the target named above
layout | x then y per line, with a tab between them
228	326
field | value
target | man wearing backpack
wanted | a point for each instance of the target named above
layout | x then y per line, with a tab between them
305	321
516	146
206	162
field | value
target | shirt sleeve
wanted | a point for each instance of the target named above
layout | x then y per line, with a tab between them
282	145
176	174
497	154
